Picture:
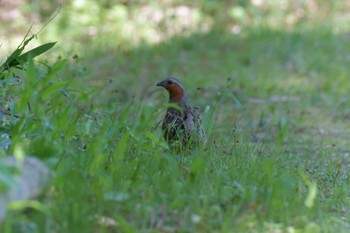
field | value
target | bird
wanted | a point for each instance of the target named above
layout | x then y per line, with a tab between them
181	124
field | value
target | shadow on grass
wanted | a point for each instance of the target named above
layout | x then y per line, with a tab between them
256	63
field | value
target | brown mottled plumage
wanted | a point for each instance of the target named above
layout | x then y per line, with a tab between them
181	123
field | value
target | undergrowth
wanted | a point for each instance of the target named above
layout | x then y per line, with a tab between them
274	107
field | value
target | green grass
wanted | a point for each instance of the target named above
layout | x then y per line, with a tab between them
275	108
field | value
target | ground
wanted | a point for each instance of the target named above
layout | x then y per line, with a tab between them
270	80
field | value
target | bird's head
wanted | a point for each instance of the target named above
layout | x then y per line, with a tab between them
175	88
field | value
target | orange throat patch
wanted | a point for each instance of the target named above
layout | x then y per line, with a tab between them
176	93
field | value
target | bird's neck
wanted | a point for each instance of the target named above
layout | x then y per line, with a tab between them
181	100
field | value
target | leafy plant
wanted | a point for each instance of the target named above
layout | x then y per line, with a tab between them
11	81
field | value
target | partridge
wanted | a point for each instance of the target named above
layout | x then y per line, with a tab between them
181	124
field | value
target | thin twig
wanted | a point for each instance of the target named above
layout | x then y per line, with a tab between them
54	16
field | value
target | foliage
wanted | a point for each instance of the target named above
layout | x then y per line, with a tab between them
270	80
9	80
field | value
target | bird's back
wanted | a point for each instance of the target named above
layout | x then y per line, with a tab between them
184	126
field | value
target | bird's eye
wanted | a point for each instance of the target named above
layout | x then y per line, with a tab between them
169	82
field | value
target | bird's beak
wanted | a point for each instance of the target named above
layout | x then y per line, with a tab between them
160	84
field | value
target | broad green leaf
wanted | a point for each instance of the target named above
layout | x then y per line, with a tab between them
31	70
33	53
20	205
12	58
175	106
311	196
